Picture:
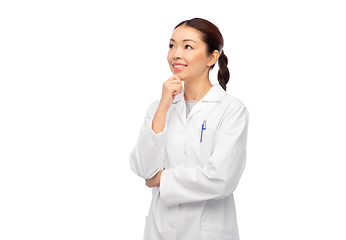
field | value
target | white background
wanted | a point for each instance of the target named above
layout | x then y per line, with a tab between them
77	78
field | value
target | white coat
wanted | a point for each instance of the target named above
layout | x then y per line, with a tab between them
195	197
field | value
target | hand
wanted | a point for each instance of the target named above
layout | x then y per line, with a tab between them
155	181
172	87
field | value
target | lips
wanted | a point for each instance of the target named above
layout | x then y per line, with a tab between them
178	66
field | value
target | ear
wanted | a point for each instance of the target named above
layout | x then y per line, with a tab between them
213	58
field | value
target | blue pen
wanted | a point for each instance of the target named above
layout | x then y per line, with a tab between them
204	127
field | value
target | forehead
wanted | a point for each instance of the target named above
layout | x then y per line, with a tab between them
184	32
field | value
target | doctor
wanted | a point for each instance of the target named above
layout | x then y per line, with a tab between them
192	146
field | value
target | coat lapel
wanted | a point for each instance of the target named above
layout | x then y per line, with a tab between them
197	108
215	94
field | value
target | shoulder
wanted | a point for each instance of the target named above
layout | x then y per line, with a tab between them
152	108
154	104
235	111
232	102
234	108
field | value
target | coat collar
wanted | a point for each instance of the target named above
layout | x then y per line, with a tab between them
215	94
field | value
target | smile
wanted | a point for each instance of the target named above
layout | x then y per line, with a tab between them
178	66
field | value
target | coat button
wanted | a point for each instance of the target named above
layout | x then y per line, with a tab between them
172	226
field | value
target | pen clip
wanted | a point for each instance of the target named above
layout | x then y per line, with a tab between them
204	127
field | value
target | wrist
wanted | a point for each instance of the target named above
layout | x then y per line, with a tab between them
163	108
159	120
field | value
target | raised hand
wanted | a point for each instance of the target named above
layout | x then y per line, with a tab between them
171	88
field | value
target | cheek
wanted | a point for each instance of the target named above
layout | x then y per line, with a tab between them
169	60
197	60
170	55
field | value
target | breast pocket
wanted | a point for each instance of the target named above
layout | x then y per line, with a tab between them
206	145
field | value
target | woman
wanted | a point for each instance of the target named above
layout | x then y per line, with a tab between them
192	145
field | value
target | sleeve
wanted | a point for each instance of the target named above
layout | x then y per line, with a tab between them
147	158
220	177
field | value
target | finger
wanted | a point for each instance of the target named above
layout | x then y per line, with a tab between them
175	82
175	91
172	84
172	78
181	87
176	77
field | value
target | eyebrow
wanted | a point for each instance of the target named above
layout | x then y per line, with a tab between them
185	40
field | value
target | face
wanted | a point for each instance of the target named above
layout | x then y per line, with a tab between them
187	55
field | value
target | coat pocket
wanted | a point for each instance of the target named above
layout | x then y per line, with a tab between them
206	145
151	231
211	232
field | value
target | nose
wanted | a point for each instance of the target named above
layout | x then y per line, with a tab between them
177	54
175	57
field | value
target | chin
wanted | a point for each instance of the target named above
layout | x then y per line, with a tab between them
180	75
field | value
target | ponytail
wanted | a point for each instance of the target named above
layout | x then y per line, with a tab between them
223	73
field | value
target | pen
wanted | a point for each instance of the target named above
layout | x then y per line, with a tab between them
204	127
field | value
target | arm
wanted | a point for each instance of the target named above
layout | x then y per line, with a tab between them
220	177
172	87
147	158
155	181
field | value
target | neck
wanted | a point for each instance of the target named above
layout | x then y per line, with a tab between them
197	89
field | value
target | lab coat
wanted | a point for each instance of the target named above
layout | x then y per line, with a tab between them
202	167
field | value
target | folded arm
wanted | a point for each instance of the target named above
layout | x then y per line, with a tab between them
220	177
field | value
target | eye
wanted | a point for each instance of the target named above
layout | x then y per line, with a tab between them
188	47
171	45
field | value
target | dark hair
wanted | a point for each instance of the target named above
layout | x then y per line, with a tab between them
211	35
